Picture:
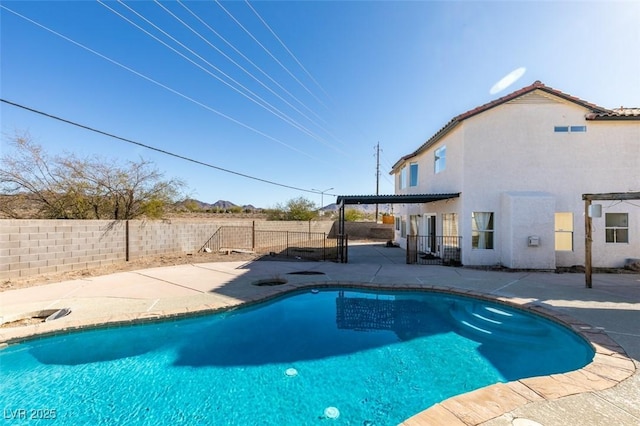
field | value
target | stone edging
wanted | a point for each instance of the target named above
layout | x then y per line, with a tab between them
609	367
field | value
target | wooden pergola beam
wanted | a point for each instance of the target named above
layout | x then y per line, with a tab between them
617	196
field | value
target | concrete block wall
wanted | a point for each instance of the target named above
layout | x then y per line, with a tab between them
269	234
366	231
151	238
295	226
32	247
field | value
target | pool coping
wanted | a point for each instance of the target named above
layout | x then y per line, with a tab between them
610	365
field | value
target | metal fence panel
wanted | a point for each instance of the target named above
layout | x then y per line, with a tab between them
300	245
433	250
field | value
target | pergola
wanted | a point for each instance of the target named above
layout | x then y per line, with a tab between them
344	200
588	198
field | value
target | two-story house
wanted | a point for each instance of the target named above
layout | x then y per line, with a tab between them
520	165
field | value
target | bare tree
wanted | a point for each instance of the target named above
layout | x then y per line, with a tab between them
33	184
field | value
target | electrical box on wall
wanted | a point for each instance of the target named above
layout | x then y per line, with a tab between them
534	241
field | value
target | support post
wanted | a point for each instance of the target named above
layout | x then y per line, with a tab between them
587	242
253	235
126	240
377	175
342	249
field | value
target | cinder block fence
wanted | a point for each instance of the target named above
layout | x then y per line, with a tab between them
31	247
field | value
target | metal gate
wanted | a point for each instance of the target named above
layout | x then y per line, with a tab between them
433	250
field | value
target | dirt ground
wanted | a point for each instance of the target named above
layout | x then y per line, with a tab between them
143	263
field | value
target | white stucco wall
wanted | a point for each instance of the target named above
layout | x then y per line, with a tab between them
447	181
605	254
525	215
513	148
436	208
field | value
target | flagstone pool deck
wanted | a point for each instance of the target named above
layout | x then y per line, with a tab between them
605	392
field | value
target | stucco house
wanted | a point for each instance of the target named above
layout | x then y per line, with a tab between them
517	168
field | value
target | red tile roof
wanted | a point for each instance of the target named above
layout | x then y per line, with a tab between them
616	114
596	113
537	85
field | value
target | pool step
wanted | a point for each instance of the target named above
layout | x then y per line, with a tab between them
493	323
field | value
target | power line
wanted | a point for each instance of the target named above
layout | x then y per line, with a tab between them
149	79
271	54
162	151
164	86
254	97
294	123
250	61
271	108
286	48
302	67
358	128
250	95
298	62
236	63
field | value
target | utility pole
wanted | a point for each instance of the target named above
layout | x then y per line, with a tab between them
320	211
377	175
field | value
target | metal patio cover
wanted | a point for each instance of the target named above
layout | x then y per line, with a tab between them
344	200
393	199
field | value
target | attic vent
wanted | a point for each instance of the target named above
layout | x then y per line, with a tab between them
534	98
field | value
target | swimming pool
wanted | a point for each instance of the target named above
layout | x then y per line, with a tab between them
334	356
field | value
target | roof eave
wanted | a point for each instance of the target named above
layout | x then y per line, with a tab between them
430	142
537	85
394	199
594	117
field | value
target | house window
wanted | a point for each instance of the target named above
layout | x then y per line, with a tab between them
414	227
402	178
564	231
440	159
616	227
397	219
413	174
482	230
449	225
403	228
450	236
570	129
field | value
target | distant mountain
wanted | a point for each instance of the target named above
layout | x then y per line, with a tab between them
222	204
365	208
218	205
330	208
190	203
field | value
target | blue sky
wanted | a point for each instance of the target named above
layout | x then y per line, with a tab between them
311	87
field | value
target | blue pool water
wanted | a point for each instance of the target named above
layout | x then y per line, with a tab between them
372	358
